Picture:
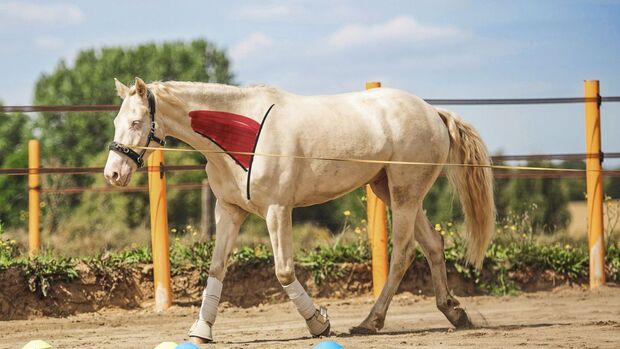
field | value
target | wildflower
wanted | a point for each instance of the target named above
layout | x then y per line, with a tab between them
13	242
513	227
567	246
188	227
363	221
347	213
524	236
449	224
358	230
438	227
174	230
442	233
194	234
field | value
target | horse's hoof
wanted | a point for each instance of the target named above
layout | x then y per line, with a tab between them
198	340
327	331
200	332
462	321
318	324
362	330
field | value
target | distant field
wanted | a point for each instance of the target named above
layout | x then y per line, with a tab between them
579	222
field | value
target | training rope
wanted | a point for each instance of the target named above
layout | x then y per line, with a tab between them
366	161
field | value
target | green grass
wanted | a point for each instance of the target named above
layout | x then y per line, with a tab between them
514	249
323	262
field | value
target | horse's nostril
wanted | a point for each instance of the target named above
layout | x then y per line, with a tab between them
115	176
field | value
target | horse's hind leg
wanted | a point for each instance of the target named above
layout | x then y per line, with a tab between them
279	224
404	211
432	246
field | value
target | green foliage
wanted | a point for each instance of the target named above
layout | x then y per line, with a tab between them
612	261
110	262
548	196
329	214
442	203
515	196
42	270
14	135
8	249
196	255
326	262
252	255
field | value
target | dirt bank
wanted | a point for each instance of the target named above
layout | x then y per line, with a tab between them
245	286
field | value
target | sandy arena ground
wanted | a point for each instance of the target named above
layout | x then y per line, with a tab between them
565	318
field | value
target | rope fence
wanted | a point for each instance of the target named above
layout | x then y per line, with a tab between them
499	174
557	172
435	101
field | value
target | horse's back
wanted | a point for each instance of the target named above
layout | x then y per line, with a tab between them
379	124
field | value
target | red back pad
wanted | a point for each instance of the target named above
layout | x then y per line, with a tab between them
232	132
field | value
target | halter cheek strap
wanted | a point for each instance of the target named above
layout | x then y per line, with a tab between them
138	158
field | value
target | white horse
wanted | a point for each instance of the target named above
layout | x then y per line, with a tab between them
378	124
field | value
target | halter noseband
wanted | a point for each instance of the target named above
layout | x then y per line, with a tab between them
132	154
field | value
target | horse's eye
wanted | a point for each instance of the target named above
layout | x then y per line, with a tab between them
135	124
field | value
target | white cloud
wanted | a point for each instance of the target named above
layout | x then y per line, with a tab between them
400	29
48	42
249	45
267	11
27	12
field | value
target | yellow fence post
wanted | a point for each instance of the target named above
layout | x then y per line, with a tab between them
159	231
34	188
377	231
594	181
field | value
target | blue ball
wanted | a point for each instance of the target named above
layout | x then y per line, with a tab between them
187	345
329	345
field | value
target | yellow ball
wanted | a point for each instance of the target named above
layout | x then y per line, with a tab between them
166	345
37	344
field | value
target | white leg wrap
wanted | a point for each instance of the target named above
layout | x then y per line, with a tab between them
316	320
300	298
210	300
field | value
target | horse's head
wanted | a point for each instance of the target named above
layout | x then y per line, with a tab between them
133	126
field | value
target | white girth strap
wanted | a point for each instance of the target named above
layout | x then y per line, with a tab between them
316	320
300	298
210	300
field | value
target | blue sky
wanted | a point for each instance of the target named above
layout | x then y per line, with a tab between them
434	49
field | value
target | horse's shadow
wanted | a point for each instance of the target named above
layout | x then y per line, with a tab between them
420	331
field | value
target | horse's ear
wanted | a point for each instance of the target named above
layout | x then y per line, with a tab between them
121	89
140	87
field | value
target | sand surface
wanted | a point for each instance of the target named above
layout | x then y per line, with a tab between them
564	318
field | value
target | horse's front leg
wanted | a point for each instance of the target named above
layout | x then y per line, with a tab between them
228	220
279	224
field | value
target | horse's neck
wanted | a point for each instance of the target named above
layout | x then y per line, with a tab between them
211	96
176	121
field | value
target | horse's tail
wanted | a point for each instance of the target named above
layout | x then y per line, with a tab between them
474	184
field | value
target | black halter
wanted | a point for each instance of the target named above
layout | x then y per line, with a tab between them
132	154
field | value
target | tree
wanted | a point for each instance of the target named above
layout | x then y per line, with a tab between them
79	139
71	138
14	136
545	200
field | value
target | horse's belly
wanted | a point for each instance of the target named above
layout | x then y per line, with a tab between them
321	181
